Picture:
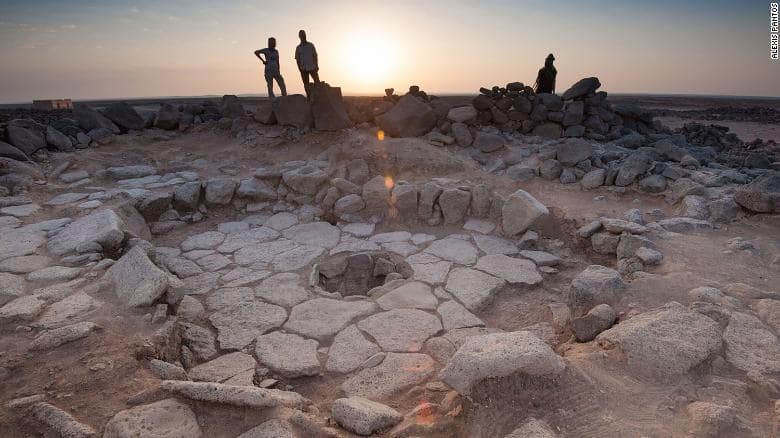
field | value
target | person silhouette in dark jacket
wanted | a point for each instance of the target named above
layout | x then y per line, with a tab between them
545	80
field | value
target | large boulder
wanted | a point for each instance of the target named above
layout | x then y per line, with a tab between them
167	117
664	343
462	114
136	280
26	135
410	117
100	231
12	152
487	142
305	179
124	116
231	106
573	150
498	355
595	285
90	119
582	88
521	211
454	203
58	140
293	110
327	107
548	130
762	195
632	168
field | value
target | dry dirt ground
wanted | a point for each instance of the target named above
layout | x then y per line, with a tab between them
596	396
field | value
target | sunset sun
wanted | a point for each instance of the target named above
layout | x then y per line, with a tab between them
370	57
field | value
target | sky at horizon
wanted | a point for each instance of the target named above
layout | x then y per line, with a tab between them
91	49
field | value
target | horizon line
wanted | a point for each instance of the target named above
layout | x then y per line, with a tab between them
446	94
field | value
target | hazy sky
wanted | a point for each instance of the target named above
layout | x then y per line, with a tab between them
123	48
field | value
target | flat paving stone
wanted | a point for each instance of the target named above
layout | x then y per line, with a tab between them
352	244
24	264
281	221
431	273
541	258
455	316
238	325
453	249
513	270
230	296
283	290
402	248
474	289
288	355
420	238
242	239
21	210
402	330
296	258
207	240
397	373
495	245
17	243
322	318
53	274
223	367
350	349
359	229
66	198
67	310
414	295
263	252
320	234
394	236
213	262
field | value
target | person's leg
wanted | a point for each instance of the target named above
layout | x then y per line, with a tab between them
316	76
269	81
280	81
305	77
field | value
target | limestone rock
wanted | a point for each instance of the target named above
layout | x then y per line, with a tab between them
239	324
398	372
598	319
167	418
664	343
363	416
595	285
327	107
245	396
293	110
223	367
513	270
500	355
454	204
410	117
101	231
287	354
402	330
137	281
521	211
350	349
321	318
473	288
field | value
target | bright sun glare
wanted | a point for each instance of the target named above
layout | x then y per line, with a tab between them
370	57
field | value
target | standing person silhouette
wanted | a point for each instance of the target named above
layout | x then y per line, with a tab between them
306	57
545	80
272	72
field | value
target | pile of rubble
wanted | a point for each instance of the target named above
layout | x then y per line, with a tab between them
581	111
